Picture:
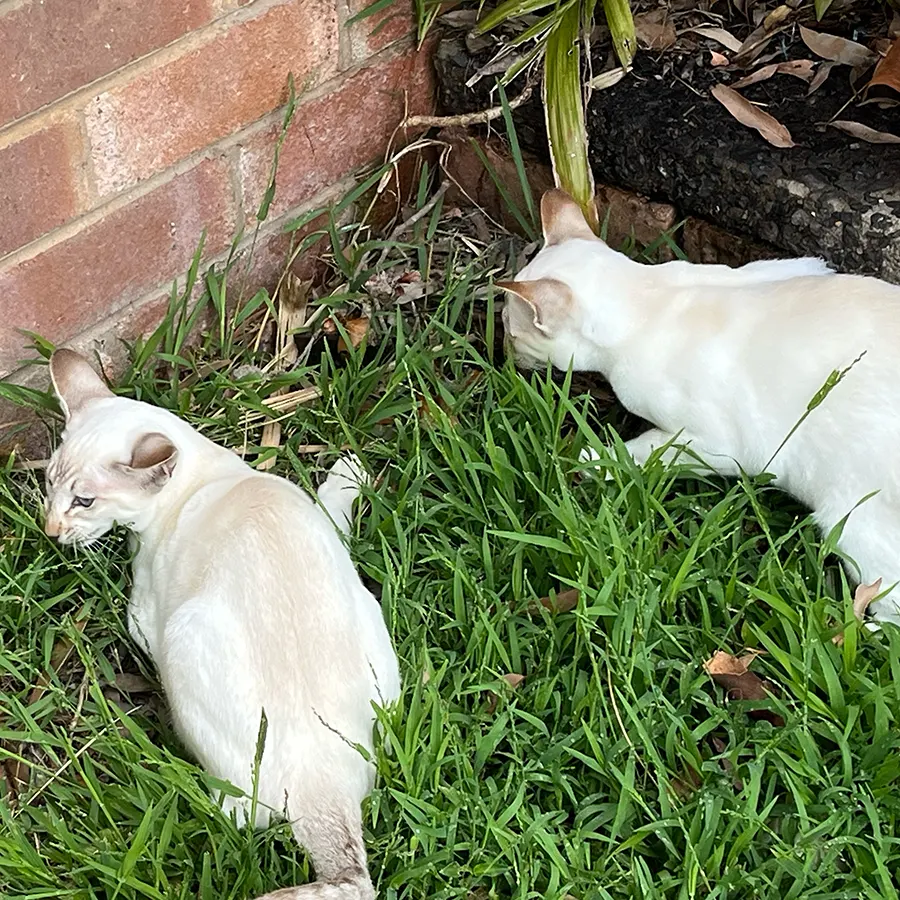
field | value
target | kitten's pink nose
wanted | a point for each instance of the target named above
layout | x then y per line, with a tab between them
53	526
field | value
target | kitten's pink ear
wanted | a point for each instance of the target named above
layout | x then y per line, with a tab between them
562	219
75	382
152	460
550	301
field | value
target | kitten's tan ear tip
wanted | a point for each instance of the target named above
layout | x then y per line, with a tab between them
555	197
510	286
63	355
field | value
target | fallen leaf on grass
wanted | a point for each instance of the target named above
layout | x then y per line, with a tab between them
654	30
271	437
885	83
686	784
513	679
428	407
60	653
719	35
733	673
15	772
130	683
837	49
753	117
720	747
799	68
356	330
864	133
862	597
563	601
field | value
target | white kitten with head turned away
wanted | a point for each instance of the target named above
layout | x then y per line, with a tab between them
726	361
247	600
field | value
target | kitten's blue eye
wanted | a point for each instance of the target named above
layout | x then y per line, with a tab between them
82	501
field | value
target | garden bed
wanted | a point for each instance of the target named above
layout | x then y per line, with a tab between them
659	132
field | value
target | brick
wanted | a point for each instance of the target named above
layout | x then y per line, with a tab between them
328	139
628	214
49	48
234	78
472	182
80	281
704	242
373	33
37	185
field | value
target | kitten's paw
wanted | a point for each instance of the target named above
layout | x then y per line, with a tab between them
589	455
348	474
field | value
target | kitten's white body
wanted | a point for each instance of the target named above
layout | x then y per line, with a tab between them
729	360
247	600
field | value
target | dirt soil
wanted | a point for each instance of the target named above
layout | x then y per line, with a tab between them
660	132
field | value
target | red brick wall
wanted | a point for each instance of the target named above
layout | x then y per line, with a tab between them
129	126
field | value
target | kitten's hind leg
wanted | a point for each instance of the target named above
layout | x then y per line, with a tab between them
341	488
331	834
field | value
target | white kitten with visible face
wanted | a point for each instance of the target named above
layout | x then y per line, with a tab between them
247	600
728	360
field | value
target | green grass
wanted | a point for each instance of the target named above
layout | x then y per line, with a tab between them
617	768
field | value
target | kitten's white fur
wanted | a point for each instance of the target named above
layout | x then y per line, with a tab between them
246	599
728	360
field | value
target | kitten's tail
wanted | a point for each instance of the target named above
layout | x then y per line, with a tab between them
334	842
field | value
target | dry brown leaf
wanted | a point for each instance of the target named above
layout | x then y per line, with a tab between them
17	773
837	49
686	784
753	117
753	45
719	35
862	597
356	330
799	68
733	673
886	79
564	601
777	17
271	437
428	411
60	653
720	747
293	297
131	683
513	679
821	77
607	79
804	69
654	29
864	133
717	59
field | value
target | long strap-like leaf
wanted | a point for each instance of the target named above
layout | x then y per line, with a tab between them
564	112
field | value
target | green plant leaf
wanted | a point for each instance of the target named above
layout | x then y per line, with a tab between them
510	10
564	111
621	28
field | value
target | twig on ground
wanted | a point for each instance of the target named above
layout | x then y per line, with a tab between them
474	118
